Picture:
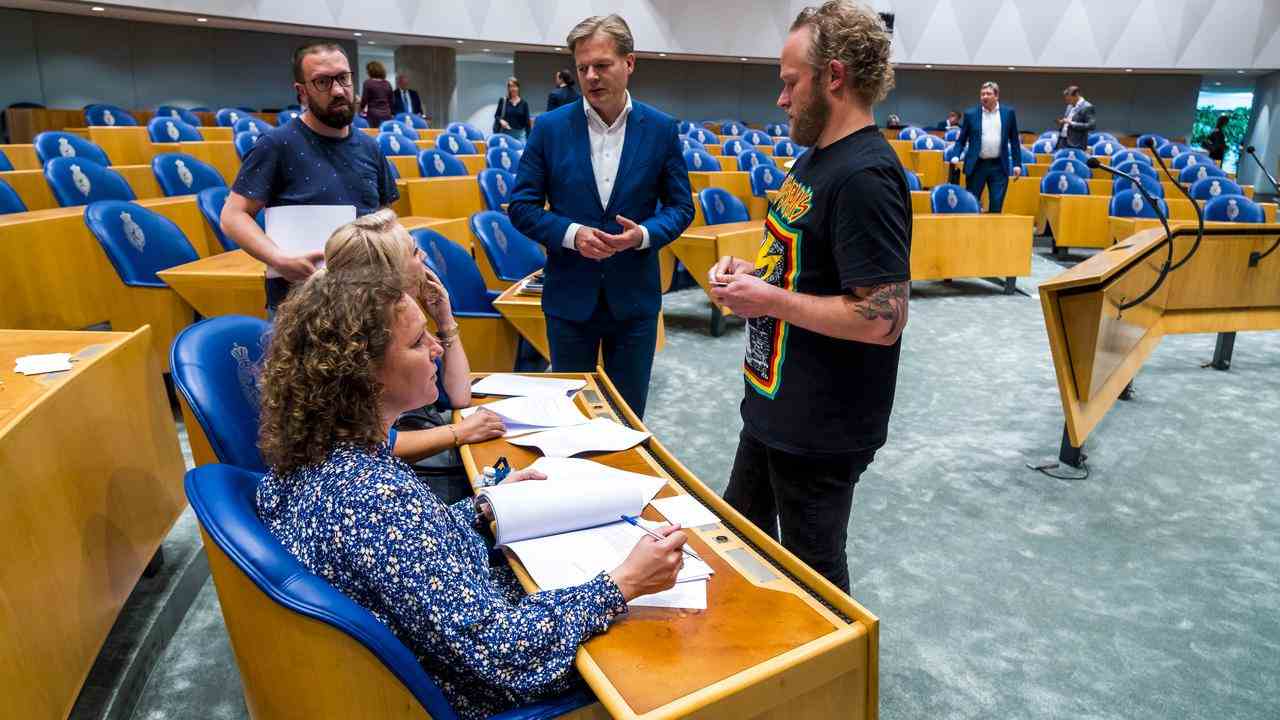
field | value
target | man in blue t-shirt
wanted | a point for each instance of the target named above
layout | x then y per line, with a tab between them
314	159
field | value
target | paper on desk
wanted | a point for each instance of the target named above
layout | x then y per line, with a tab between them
300	229
558	468
690	595
573	558
598	435
39	364
523	385
684	510
531	414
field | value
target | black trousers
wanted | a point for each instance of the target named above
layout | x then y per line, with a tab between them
627	347
808	497
989	172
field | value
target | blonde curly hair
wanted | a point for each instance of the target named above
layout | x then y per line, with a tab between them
378	243
319	379
854	35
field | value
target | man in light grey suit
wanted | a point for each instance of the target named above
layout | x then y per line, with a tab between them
1077	122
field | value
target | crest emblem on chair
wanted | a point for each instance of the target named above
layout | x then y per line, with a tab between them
235	118
173	113
394	143
171	130
137	238
81	180
754	161
65	149
499	236
253	130
506	161
733	129
1136	204
184	173
1107	148
108	118
502	185
246	374
1215	189
952	200
1202	173
1191	160
1063	184
1071	168
453	145
1233	210
438	258
719	206
502	142
438	163
697	160
768	177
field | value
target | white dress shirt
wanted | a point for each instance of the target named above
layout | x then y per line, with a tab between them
1070	115
606	154
991	133
407	99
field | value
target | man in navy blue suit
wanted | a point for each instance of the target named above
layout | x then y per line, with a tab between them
602	185
992	148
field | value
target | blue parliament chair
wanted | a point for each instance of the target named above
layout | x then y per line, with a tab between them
181	174
391	168
436	163
503	159
685	127
953	153
913	180
395	126
1191	157
510	254
54	143
1134	155
1050	135
465	130
910	133
1027	156
1151	140
495	187
768	177
1132	167
1069	165
455	144
251	124
80	181
178	113
210	202
215	365
929	142
169	130
359	122
732	128
417	122
5	165
949	198
284	116
700	160
1192	173
751	159
720	206
1061	183
393	143
503	140
244	142
1130	203
784	148
1171	149
951	135
458	271
1152	185
756	137
1233	208
704	136
229	116
733	147
777	130
10	202
1044	146
687	143
1212	187
1072	153
1094	138
138	242
1105	147
108	115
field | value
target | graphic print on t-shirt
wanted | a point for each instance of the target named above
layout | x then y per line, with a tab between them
777	263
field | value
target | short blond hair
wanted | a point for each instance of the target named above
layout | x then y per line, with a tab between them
612	25
854	35
376	242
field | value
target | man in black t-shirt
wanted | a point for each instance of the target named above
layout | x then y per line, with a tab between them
314	159
826	297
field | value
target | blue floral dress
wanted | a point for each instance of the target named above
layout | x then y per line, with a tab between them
363	521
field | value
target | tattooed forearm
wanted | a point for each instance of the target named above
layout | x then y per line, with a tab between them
883	302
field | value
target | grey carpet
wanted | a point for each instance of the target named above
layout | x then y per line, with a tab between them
1149	590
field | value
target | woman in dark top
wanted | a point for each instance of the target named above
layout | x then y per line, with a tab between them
1217	142
512	115
375	96
564	92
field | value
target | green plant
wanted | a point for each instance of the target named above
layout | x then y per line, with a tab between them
1207	120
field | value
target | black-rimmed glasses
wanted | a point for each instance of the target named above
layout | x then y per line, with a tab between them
324	83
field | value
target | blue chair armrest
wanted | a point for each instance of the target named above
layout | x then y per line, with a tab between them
548	709
145	283
493	294
474	314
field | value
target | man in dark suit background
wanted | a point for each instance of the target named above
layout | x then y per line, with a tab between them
564	92
405	99
588	189
1077	122
992	148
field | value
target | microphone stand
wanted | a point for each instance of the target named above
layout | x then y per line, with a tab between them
1256	257
1194	205
1168	234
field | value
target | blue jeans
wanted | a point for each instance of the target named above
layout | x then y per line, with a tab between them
627	348
991	173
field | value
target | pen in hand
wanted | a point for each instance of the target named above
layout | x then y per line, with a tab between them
635	522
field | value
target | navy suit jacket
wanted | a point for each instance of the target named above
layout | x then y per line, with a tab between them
971	133
397	102
652	189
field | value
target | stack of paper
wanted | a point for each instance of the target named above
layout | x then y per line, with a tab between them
684	510
526	386
530	414
593	472
39	364
598	435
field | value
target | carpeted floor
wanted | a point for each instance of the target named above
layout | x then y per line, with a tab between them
1149	590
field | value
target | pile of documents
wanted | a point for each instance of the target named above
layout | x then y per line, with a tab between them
39	364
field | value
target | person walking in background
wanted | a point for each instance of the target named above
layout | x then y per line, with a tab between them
1077	122
1217	142
991	147
406	100
564	92
512	115
375	95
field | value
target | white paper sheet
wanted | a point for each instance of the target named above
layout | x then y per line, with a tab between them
573	558
535	508
528	414
589	471
300	229
598	435
684	510
40	364
526	386
687	595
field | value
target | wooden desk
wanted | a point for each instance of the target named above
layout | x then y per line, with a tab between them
700	247
1021	196
524	312
1124	227
221	155
92	484
737	183
406	165
442	197
21	157
124	145
1098	348
33	188
949	246
1084	220
931	167
903	149
776	639
921	204
25	123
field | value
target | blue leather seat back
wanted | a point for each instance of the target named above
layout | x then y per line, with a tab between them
504	141
732	128
503	159
244	142
109	116
929	142
1152	185
393	143
913	181
1233	208
170	130
751	159
359	123
720	206
1189	158
777	130
286	116
949	198
53	143
953	152
229	116
80	181
700	161
685	127
1043	146
178	113
704	136
455	144
251	124
687	143
435	163
784	148
465	130
1200	171
417	122
1028	157
181	174
1133	166
756	137
1061	183
734	147
1212	187
1151	140
512	254
138	241
5	165
910	133
1132	155
1105	148
495	187
1171	150
1071	154
951	134
457	270
210	202
10	202
766	177
1093	139
395	126
1068	165
1130	203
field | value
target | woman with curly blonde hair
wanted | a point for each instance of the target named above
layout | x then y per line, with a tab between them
350	352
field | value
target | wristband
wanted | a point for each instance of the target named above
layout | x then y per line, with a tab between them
454	430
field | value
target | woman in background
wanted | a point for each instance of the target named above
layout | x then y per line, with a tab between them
376	95
512	115
1217	142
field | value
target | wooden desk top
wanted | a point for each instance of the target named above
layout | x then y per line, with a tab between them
711	232
514	296
20	392
674	661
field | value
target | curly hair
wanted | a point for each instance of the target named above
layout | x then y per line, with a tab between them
319	378
854	35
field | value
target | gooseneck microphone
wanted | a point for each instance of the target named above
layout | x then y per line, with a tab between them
1250	150
1096	164
1194	205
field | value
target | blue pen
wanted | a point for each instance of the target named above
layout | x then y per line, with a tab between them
656	536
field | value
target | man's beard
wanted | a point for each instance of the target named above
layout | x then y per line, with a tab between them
335	117
810	120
